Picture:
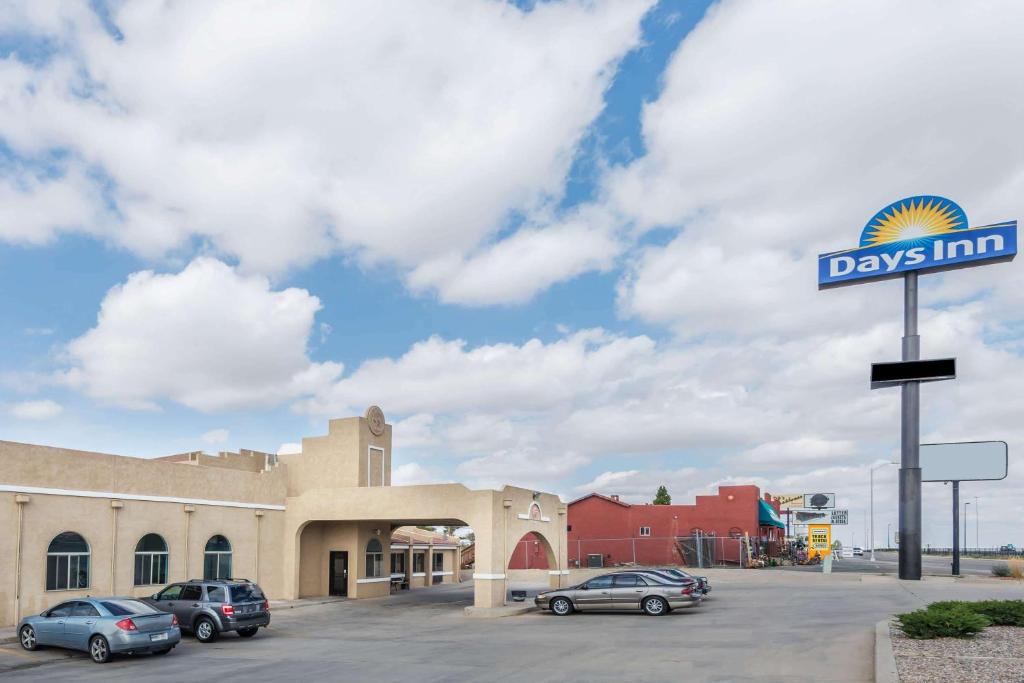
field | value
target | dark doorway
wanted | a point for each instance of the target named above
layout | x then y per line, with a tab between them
338	573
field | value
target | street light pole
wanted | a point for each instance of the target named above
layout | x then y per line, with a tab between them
977	525
871	514
966	544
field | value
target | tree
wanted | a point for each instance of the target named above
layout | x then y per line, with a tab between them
662	497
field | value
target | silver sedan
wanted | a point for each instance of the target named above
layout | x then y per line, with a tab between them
621	591
102	627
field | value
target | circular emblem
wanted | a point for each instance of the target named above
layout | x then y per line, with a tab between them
375	419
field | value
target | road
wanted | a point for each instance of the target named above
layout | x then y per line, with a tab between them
758	626
887	562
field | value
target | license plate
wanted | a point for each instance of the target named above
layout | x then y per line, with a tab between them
158	636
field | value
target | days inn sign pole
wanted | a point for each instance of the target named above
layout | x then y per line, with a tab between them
913	235
910	441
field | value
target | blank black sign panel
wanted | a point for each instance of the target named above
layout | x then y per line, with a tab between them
921	370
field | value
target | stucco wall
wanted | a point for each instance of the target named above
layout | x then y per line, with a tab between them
45	516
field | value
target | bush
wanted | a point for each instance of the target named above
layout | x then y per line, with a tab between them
1016	568
943	620
1002	612
1002	570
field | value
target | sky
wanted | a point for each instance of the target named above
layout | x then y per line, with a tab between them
564	245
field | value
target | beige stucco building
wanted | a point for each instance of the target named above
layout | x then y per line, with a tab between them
325	521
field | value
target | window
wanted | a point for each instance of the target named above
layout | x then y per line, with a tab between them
595	560
67	562
150	560
438	563
600	582
216	594
419	563
84	609
192	592
629	581
171	592
645	531
246	592
398	563
374	558
217	559
61	610
119	608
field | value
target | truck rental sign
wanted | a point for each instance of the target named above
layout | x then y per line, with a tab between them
925	233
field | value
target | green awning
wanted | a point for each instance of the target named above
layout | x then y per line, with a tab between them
767	516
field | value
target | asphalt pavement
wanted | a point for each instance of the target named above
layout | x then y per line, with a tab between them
758	626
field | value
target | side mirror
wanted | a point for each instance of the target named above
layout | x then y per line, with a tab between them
584	587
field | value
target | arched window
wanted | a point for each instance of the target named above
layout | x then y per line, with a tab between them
374	558
151	560
217	558
67	562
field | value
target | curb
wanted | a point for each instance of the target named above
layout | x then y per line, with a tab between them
498	612
8	640
885	659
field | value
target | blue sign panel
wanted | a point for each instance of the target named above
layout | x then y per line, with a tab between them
918	233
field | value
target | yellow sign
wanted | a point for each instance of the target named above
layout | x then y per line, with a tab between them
790	500
819	540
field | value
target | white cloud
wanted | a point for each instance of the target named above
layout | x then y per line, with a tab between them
402	132
215	437
289	449
532	259
784	145
639	486
36	410
412	474
207	338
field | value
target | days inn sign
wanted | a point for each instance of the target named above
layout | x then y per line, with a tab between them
915	235
925	233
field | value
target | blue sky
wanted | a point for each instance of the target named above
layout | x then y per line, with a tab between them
563	244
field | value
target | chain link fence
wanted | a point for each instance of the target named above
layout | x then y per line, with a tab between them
688	551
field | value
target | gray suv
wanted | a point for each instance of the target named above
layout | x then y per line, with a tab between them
208	608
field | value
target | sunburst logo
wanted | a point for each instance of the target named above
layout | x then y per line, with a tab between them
914	219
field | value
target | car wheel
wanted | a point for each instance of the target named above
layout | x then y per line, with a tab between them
655	607
248	631
561	606
28	638
162	652
206	631
99	650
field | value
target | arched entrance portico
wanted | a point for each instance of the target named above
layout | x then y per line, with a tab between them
325	521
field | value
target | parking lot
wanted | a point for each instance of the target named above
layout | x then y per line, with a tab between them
757	626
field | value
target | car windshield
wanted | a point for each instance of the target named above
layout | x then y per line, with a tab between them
246	592
120	608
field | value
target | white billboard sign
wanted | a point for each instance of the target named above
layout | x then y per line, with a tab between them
840	516
965	461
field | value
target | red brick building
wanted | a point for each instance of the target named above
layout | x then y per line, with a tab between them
605	531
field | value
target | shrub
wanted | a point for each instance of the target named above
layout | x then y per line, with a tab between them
1002	570
1016	568
951	620
1001	612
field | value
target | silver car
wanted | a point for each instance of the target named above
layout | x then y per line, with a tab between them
619	592
102	627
